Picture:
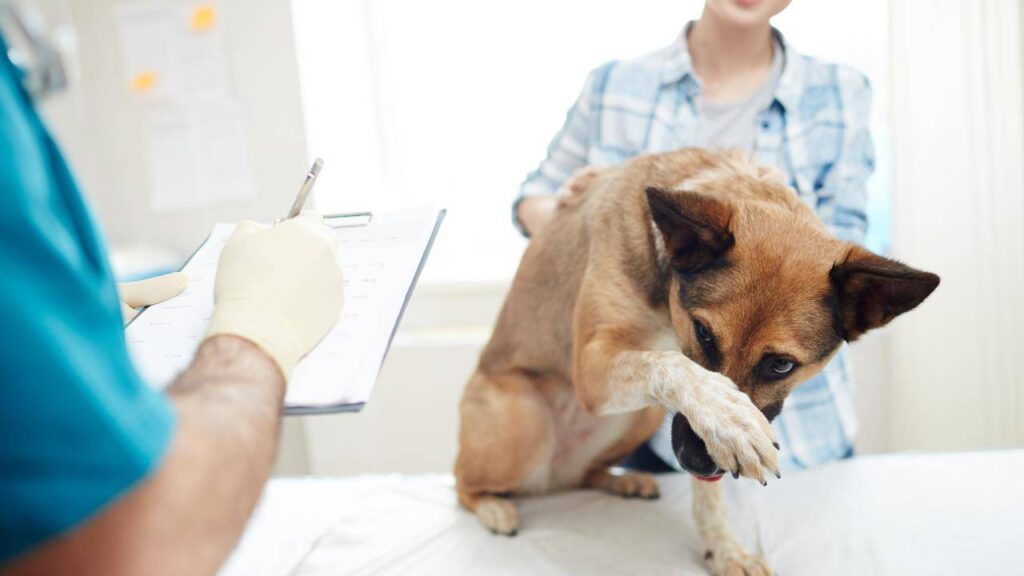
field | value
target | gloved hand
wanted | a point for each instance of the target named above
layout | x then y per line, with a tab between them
135	295
279	287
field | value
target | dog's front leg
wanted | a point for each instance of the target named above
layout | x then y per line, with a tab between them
611	378
723	552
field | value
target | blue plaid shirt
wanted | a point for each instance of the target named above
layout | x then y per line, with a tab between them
815	130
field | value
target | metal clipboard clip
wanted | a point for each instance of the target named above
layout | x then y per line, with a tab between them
348	219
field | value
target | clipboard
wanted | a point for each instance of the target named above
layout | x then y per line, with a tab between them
356	219
157	341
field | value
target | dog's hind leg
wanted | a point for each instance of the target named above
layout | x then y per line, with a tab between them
627	484
504	437
723	552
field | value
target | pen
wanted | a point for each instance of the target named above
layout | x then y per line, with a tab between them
305	189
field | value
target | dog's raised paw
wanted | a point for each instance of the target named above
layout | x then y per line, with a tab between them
740	565
634	485
498	515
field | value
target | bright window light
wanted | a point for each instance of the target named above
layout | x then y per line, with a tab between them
453	102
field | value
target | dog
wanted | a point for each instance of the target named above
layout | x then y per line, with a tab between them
692	282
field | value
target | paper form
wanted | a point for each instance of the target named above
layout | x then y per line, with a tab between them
379	262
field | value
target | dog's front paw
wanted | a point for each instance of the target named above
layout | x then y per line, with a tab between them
738	563
738	436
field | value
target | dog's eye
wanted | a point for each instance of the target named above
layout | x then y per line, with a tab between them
782	366
706	340
776	367
704	333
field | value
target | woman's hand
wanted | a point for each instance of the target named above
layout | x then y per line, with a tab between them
135	295
571	193
536	211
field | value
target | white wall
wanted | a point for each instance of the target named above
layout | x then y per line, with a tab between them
100	127
958	371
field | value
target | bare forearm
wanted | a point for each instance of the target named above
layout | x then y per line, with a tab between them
187	516
228	405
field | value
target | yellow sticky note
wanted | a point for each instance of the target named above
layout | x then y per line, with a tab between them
203	18
144	81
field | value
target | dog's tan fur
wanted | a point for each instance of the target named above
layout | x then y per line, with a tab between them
597	336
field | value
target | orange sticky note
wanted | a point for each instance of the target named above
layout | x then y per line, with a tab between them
203	18
144	81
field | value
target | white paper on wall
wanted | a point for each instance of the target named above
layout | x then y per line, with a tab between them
176	68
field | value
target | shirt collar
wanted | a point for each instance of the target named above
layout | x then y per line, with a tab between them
678	68
677	65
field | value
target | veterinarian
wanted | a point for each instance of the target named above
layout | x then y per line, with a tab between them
730	80
98	473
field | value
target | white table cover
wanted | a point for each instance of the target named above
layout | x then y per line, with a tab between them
935	514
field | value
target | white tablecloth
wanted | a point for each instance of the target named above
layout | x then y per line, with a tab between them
936	514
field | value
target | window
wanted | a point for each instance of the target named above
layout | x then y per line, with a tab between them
453	102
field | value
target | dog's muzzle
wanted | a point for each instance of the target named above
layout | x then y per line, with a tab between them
691	452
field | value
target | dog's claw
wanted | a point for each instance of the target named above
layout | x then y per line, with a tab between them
777	446
778	475
736	473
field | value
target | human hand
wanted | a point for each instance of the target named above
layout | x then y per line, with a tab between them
279	287
571	193
535	212
135	295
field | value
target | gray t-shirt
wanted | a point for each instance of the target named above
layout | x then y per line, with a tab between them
734	124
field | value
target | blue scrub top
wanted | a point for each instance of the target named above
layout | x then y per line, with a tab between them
78	427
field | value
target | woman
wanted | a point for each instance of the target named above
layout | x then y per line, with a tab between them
731	81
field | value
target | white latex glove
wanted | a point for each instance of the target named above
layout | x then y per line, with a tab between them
135	295
279	287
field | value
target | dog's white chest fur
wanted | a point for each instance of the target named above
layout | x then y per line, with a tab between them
577	438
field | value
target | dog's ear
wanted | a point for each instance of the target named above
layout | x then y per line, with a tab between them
695	227
872	290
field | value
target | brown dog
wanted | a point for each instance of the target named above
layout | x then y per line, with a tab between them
689	281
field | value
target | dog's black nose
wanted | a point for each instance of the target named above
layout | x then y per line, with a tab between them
772	410
690	450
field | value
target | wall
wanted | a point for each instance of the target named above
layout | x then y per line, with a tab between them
100	127
958	371
101	124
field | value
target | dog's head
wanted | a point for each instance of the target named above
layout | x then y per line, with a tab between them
759	290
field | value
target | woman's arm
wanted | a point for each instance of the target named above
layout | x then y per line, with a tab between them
566	154
842	200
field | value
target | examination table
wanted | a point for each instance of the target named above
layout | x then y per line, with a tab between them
907	514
